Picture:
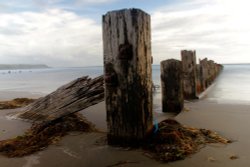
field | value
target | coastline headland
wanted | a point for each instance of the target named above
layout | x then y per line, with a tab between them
22	66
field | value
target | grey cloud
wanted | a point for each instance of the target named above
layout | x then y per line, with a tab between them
10	31
49	36
62	38
205	27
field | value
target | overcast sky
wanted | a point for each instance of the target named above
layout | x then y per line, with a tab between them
69	32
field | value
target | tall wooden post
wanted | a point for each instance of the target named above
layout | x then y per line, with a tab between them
188	59
204	73
172	88
198	79
210	72
128	75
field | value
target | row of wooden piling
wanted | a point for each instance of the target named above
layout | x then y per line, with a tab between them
185	79
128	77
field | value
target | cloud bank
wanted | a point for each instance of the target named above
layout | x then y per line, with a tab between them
54	37
217	29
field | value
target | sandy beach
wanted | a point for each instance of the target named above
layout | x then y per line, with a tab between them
90	150
9	95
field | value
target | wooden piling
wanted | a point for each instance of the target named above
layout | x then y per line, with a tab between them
198	79
204	73
189	74
172	88
128	75
210	72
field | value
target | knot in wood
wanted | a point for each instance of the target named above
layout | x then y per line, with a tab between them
111	79
125	52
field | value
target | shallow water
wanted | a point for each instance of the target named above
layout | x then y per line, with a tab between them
42	80
232	86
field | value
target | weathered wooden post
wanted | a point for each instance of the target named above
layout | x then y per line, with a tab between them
210	72
128	75
219	67
198	79
172	88
189	74
204	73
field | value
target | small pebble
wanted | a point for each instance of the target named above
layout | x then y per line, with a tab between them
233	157
211	159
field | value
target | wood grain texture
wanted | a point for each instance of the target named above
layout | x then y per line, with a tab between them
172	86
204	74
128	75
70	98
188	59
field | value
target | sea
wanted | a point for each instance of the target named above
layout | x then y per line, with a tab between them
231	86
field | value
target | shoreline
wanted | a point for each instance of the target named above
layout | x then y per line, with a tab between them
82	149
10	95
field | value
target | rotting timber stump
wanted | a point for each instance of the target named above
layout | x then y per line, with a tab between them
128	76
172	88
198	79
188	59
204	73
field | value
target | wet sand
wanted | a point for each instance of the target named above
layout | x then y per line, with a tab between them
89	149
9	95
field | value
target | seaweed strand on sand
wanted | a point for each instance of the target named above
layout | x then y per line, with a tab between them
174	141
39	137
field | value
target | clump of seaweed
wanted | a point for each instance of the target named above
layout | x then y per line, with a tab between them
174	141
170	141
39	137
15	103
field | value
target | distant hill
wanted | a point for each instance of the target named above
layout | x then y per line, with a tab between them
21	66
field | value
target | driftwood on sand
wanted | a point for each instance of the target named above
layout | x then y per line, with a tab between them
70	98
53	116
